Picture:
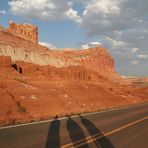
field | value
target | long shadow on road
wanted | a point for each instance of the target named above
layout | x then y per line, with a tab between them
53	138
75	132
92	129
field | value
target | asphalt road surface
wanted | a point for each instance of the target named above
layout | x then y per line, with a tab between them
117	128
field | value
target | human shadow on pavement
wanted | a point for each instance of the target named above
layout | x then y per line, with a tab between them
53	138
76	133
102	142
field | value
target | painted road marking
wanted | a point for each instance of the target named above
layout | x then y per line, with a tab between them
63	118
98	136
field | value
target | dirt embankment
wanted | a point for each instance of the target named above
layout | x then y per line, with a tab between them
29	92
25	99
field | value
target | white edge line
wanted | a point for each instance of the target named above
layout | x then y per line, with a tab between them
62	118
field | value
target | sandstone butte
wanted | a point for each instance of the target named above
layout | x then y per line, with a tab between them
37	83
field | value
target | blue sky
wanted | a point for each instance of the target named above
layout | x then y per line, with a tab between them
119	25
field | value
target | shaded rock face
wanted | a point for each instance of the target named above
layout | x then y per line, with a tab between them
5	61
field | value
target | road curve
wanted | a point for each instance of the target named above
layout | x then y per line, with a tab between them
117	128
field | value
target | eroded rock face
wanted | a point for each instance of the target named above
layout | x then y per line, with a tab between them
97	59
26	31
15	42
52	73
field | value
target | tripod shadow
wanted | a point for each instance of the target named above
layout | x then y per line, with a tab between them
102	142
75	132
53	138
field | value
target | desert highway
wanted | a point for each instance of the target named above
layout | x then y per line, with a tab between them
116	128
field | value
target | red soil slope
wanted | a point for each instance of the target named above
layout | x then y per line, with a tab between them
42	92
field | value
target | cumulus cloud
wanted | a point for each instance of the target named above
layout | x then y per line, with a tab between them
135	62
95	43
102	16
102	6
85	46
48	45
45	9
115	43
99	16
73	15
135	50
91	44
2	12
142	56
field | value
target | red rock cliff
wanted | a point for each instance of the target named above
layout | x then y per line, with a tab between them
5	61
15	42
97	59
26	31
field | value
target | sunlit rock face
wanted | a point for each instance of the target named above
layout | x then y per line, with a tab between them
97	59
20	42
5	61
26	31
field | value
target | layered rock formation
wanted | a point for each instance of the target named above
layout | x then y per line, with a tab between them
26	31
17	43
5	61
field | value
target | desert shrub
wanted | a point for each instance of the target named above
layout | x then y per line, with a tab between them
11	121
22	109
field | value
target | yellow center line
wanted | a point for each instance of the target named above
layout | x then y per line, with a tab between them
90	139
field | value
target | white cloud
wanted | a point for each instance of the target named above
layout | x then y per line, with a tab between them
91	44
115	43
141	37
99	16
142	56
95	43
102	6
135	62
48	45
85	46
2	12
45	9
73	15
106	16
135	50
